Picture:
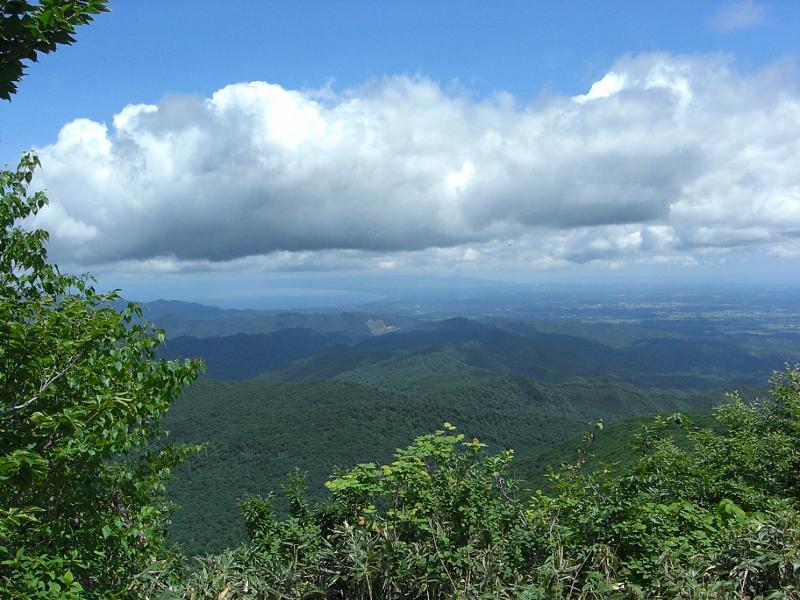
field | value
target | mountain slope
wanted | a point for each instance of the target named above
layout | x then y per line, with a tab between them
243	355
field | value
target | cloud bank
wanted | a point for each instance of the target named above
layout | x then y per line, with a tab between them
665	159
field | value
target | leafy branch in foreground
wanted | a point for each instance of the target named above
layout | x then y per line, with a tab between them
29	29
717	518
82	512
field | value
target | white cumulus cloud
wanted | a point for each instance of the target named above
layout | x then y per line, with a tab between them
662	157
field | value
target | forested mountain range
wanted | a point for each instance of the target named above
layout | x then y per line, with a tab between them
648	358
313	391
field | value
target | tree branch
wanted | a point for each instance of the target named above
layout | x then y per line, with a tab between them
43	387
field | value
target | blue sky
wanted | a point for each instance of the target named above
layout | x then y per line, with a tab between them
457	137
146	49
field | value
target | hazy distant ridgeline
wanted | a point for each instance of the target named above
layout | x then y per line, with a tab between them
198	320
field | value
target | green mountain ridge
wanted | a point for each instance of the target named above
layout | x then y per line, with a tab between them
659	362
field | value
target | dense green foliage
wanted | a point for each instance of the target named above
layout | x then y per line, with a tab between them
28	29
717	518
258	431
82	512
